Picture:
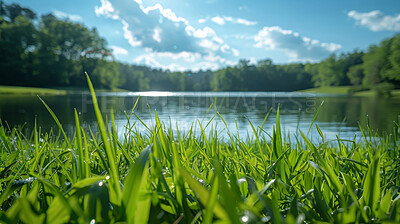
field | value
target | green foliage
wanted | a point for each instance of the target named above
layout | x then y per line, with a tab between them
107	74
265	76
374	61
392	72
333	71
51	52
383	89
328	74
356	74
166	176
16	42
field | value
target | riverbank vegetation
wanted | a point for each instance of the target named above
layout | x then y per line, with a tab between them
167	176
30	90
51	52
21	90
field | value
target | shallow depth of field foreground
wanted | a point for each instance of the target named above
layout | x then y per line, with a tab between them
163	176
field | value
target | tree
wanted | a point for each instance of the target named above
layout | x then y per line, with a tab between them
17	41
356	74
328	73
11	12
106	75
223	80
392	72
374	61
132	78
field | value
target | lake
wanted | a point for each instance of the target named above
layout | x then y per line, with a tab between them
339	115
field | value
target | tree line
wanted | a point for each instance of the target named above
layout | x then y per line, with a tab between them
47	51
53	52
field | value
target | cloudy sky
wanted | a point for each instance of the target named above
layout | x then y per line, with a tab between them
210	34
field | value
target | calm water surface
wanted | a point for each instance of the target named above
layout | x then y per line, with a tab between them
339	115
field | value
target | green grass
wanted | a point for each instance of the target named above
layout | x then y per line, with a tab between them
395	93
20	90
370	93
329	90
166	176
30	90
345	90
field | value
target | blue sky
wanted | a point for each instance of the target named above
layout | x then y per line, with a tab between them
210	34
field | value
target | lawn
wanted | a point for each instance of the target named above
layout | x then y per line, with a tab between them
346	90
328	89
21	90
166	176
30	90
369	93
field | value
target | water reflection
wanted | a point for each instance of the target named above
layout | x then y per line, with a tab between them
339	114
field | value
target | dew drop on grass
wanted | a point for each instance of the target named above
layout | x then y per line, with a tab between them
93	221
201	181
265	219
244	219
241	180
100	184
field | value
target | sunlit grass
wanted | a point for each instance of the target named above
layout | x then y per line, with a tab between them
22	90
329	90
30	90
166	176
347	90
371	93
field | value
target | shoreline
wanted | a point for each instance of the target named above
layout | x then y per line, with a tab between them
23	90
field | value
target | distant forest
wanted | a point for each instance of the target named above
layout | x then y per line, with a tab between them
51	52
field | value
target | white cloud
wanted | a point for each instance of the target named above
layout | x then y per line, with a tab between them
227	49
106	9
167	13
201	21
208	44
191	61
119	50
216	58
186	56
129	36
147	60
206	65
252	61
159	28
222	20
149	27
63	15
218	40
202	33
235	52
246	22
218	20
170	41
150	60
376	20
156	35
296	46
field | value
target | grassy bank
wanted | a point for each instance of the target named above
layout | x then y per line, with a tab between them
328	90
165	176
21	90
369	93
347	90
30	91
